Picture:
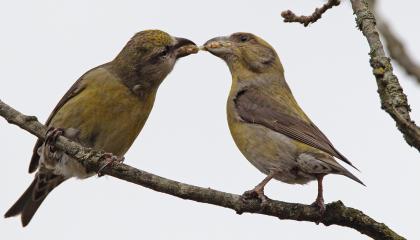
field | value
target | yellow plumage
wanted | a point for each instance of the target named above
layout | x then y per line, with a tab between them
105	109
266	122
108	114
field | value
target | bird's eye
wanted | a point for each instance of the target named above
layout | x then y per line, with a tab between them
243	38
165	51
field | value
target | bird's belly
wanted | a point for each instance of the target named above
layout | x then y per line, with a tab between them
69	167
107	116
269	151
62	164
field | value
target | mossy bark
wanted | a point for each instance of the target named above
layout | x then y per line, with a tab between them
336	213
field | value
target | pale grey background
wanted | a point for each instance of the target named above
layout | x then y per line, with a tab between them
46	45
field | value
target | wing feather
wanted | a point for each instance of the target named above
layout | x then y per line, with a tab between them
75	89
254	106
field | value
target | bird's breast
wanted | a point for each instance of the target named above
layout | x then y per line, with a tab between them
108	115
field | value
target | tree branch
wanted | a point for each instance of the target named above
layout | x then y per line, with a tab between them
394	45
393	99
290	16
336	213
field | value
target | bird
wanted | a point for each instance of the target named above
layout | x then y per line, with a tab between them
105	109
266	122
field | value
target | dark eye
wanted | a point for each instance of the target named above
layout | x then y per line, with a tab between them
164	52
243	38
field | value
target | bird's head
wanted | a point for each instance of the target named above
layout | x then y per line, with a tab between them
244	51
150	56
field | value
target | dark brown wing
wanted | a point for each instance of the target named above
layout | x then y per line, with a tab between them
75	89
254	106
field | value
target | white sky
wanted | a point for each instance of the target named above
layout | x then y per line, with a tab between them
46	45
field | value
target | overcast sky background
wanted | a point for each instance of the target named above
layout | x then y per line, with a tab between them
46	45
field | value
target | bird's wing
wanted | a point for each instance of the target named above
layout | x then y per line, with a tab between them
75	89
255	106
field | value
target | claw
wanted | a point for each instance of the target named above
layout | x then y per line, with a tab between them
255	194
258	191
109	159
319	203
52	135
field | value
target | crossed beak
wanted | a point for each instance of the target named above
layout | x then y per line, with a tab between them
184	47
218	46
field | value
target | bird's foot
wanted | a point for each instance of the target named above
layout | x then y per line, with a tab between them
255	194
109	159
319	203
51	136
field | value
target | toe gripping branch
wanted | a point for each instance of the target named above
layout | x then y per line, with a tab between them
109	158
51	136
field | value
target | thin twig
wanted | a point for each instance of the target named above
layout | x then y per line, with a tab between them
290	16
336	213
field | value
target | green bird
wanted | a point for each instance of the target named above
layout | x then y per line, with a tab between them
267	124
105	109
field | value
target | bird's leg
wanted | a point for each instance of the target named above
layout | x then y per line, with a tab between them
109	158
49	151
51	136
319	202
258	191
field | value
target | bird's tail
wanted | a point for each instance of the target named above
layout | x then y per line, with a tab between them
34	195
338	169
348	174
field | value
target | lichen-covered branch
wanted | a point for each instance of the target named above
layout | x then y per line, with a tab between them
393	99
290	16
394	45
336	213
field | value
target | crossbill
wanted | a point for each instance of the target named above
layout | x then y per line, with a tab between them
266	122
105	109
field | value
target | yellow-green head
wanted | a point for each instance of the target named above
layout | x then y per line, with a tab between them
254	63
245	52
150	56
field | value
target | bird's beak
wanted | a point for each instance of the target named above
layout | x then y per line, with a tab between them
184	47
218	46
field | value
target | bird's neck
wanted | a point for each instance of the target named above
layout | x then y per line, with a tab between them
271	79
274	84
131	76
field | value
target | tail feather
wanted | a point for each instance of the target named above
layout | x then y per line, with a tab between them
338	169
34	195
19	205
29	210
350	175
